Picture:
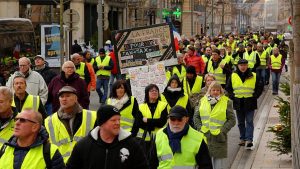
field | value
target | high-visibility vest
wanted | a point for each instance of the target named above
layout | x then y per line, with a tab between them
220	77
182	101
168	75
181	74
80	71
250	58
227	58
144	108
196	88
263	58
92	61
232	45
190	145
31	102
255	37
213	119
127	119
34	158
7	131
240	89
104	62
58	134
276	61
205	59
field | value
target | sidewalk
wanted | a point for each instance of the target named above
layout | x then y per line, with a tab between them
265	158
262	157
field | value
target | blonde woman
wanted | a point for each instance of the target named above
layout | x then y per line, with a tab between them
214	117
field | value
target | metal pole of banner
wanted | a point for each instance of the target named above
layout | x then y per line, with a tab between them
61	33
100	24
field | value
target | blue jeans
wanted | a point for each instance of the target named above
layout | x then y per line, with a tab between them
275	81
246	129
102	83
261	75
267	71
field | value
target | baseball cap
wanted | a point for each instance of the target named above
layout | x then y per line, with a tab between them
243	61
178	112
39	56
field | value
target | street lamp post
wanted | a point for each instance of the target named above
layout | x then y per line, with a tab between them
223	13
212	17
61	33
100	24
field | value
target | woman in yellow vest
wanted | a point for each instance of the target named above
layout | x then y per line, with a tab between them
214	117
153	114
121	98
276	63
174	95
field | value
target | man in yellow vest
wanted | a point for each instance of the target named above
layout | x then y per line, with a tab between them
276	63
251	56
244	89
29	146
70	123
179	145
22	99
7	114
81	68
261	69
103	65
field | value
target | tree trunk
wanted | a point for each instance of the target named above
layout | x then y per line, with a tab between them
296	85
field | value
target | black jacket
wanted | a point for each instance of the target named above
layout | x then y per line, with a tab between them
20	153
91	152
245	104
47	74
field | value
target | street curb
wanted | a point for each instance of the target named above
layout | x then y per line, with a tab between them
244	158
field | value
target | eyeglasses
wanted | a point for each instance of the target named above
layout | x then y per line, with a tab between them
23	120
176	119
156	91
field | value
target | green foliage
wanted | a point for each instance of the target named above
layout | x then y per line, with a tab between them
282	131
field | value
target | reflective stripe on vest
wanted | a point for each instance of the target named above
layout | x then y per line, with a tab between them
250	58
190	145
196	88
104	62
213	120
220	77
240	89
182	101
127	119
276	61
59	135
31	102
147	113
33	159
80	71
205	59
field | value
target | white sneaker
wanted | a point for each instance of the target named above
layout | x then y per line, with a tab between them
249	145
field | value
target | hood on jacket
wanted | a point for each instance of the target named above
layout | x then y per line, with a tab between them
42	137
123	134
72	77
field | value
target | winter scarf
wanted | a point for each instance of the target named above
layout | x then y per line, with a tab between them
175	138
119	103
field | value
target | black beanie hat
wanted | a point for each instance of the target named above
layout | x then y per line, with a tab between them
105	112
191	69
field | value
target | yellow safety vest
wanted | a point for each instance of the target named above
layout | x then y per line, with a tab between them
240	89
182	101
144	108
276	61
196	88
59	135
205	59
250	58
168	75
34	159
80	71
31	102
232	45
7	131
190	145
220	77
263	58
104	62
127	119
181	74
92	61
213	120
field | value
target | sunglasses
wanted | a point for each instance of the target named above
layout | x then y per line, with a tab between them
176	119
23	120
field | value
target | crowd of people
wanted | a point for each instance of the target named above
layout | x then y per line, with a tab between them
45	120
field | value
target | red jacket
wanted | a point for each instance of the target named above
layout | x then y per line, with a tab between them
195	61
113	58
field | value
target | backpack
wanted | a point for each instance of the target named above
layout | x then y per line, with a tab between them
46	153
